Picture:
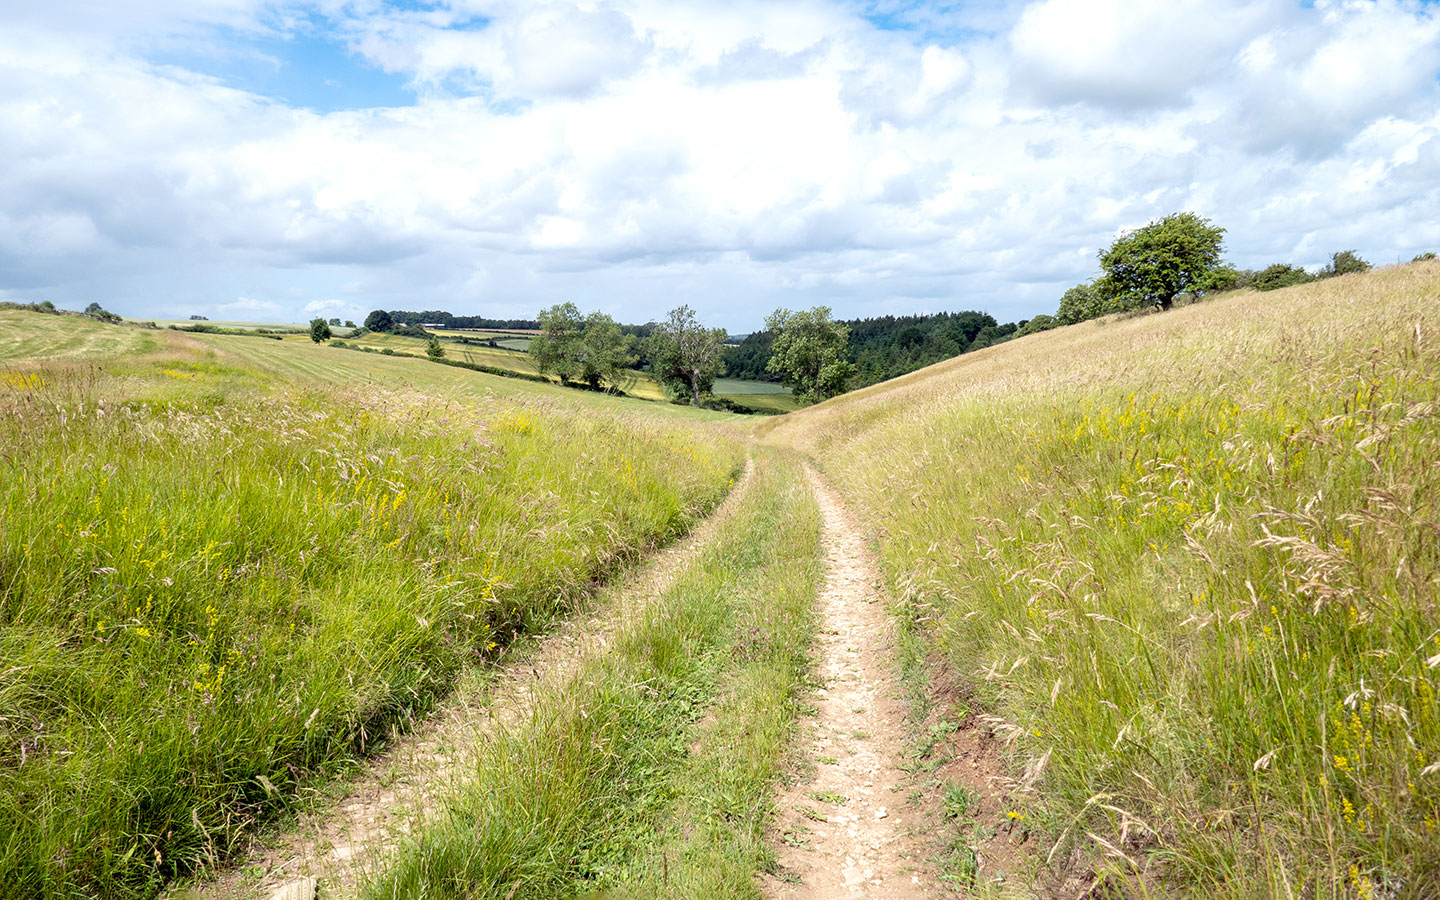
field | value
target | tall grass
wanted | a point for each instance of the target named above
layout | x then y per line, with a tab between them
216	584
1190	562
647	772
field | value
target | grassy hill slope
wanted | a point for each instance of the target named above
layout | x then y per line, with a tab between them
1189	563
230	564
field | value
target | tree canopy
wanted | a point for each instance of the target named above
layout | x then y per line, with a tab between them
590	349
379	320
557	347
319	330
1152	265
685	355
809	353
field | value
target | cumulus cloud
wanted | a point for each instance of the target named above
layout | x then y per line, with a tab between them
635	154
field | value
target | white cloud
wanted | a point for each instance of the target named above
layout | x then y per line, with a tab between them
633	155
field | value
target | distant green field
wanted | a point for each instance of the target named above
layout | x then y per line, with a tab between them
731	386
506	339
243	326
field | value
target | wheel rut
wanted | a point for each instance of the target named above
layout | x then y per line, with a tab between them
335	848
848	832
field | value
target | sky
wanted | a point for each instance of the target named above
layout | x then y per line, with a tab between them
275	160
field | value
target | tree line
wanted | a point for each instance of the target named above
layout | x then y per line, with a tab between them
884	347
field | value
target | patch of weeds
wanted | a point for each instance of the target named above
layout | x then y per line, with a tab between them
828	797
959	801
797	836
827	760
811	813
860	735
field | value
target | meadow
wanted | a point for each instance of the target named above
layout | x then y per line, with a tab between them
646	772
230	566
1185	565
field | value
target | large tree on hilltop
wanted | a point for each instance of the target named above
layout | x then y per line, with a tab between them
1153	265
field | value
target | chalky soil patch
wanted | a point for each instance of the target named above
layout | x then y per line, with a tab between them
848	830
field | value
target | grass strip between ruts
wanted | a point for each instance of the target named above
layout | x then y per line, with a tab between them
648	772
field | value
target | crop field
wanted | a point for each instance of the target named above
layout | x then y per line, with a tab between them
230	565
1188	564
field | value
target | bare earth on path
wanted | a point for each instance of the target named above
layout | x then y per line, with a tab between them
849	831
336	847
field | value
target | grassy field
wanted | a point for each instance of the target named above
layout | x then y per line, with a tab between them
230	565
647	772
1188	564
508	340
26	337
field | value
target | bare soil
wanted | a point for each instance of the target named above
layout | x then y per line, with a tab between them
847	830
335	846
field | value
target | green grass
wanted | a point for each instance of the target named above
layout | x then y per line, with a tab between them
227	569
28	336
649	771
1190	563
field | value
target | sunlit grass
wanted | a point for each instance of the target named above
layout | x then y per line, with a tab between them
647	773
1190	563
221	576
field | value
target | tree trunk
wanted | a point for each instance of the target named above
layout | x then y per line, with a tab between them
1167	302
695	386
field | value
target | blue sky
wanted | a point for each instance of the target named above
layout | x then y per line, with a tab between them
279	159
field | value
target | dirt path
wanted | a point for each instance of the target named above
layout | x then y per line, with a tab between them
849	831
336	847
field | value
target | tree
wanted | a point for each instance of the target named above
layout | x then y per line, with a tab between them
379	320
1279	275
605	352
335	322
319	330
810	352
1036	325
1082	303
685	355
433	349
1344	262
1151	266
349	323
557	348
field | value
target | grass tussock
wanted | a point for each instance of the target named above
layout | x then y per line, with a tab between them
647	772
217	584
1190	562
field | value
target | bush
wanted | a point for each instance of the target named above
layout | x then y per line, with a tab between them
1038	324
1344	262
1280	275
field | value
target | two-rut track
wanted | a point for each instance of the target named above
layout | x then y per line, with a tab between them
846	832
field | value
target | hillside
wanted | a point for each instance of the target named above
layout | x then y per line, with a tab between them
1162	593
1183	567
194	525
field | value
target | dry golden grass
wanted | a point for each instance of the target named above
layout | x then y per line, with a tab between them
1189	563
